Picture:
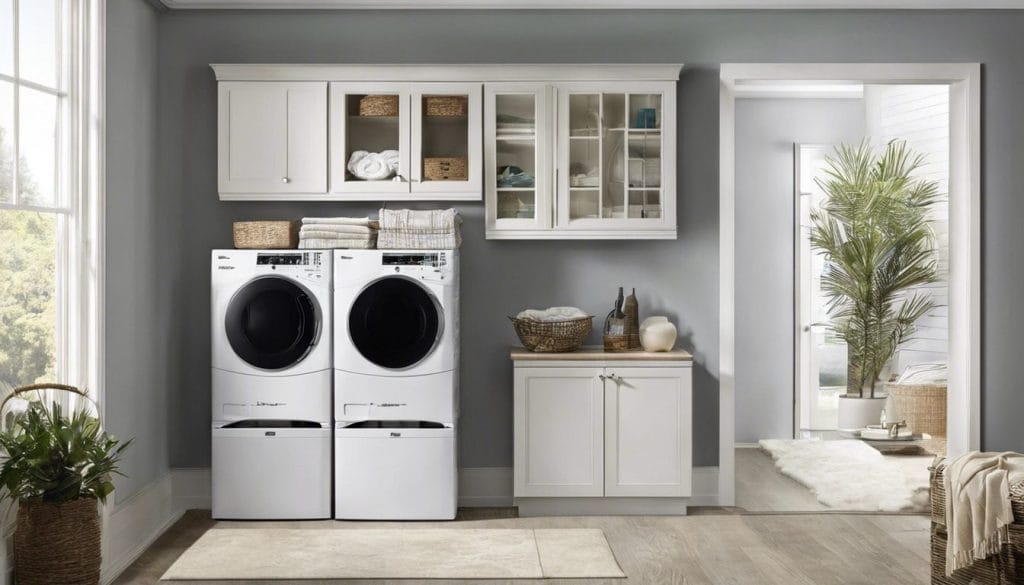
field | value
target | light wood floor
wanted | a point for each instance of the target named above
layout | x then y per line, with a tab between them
652	550
760	487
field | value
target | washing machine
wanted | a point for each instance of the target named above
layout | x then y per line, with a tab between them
395	384
271	384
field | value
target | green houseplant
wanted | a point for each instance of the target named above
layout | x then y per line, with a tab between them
874	231
58	466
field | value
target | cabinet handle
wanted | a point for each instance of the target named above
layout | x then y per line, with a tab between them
602	377
285	180
614	378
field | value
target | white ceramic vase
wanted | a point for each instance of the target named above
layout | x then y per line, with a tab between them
657	334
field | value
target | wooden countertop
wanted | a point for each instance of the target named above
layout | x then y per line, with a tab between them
597	353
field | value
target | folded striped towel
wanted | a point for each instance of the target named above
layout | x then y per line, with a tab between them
332	243
365	221
337	228
333	235
435	220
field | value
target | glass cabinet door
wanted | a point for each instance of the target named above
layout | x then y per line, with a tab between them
611	171
446	139
369	138
517	175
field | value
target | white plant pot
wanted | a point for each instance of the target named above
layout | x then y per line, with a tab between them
857	413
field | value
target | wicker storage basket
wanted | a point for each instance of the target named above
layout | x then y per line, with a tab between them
57	543
451	168
553	336
1003	569
445	105
923	406
378	105
265	235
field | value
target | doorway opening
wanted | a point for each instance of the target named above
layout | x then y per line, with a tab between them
811	116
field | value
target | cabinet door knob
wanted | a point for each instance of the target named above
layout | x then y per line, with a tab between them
285	180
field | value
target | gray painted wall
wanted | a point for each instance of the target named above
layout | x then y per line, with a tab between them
137	305
765	132
678	277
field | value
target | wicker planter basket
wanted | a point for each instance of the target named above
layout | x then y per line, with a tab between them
923	406
553	336
265	235
1005	568
378	105
452	168
445	105
57	543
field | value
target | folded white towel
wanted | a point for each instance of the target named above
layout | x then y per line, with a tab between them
332	243
373	166
305	234
552	314
337	228
438	220
340	220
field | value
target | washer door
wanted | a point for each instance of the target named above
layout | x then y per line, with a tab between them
394	322
272	323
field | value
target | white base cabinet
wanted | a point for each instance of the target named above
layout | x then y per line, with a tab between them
614	430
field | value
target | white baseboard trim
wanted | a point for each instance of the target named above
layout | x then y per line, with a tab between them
747	445
485	487
191	488
131	526
704	487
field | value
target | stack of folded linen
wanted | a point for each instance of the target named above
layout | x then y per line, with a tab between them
338	232
406	229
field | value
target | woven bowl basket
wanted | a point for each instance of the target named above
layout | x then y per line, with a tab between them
378	105
553	336
454	168
57	543
923	406
265	235
445	105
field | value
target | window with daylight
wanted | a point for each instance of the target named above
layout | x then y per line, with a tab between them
41	207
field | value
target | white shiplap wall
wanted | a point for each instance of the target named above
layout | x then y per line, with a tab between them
919	114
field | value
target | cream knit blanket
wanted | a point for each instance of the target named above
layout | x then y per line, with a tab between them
978	511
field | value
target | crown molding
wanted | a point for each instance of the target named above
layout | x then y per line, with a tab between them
448	72
598	4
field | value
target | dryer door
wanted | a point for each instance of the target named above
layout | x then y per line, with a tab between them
395	323
272	322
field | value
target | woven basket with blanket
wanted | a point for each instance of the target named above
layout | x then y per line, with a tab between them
407	229
1003	568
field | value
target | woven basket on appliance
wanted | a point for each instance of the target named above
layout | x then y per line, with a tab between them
265	235
445	105
923	406
57	543
1005	568
378	105
450	168
553	336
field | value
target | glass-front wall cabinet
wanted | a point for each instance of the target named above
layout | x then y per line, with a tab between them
446	138
600	165
612	146
517	177
405	141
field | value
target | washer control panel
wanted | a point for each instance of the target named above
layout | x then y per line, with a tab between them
289	258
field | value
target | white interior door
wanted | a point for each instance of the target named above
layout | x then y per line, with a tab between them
820	369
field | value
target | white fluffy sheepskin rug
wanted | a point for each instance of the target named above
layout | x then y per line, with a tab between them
850	475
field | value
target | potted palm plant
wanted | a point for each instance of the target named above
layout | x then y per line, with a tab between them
58	467
874	232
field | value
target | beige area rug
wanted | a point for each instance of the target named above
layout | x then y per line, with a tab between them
386	553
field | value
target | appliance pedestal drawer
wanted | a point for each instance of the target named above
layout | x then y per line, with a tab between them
395	473
271	473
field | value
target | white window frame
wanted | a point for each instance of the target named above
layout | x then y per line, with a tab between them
79	199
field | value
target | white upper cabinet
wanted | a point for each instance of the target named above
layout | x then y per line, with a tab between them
272	139
405	141
557	151
600	166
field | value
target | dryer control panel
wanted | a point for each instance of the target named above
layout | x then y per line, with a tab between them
289	258
426	259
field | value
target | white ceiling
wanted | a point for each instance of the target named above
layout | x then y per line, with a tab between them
606	4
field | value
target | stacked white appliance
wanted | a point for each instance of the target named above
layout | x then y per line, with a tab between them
271	384
395	384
